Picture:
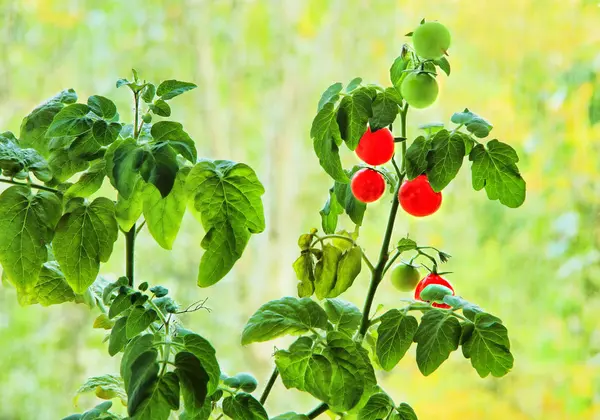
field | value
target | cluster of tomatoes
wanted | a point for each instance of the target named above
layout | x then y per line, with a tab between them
406	277
377	148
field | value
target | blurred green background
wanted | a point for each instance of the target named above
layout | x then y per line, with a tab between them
526	65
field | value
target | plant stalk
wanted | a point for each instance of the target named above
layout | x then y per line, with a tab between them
38	186
317	411
130	255
267	391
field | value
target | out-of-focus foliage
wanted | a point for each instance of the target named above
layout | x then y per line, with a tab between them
260	66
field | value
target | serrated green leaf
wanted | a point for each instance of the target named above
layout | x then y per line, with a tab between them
105	133
52	287
284	316
349	267
243	406
445	159
395	336
118	337
89	182
164	215
27	223
416	157
330	212
72	120
128	210
406	244
443	64
437	336
111	287
15	161
172	133
385	108
354	209
106	387
494	167
203	350
103	322
326	136
169	89
354	113
102	107
194	380
137	346
344	315
124	159
326	271
228	197
304	267
397	71
120	304
139	319
405	412
64	166
160	167
479	127
488	346
378	407
148	93
330	95
84	237
160	108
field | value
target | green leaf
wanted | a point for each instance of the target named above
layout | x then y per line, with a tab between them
488	347
103	322
194	380
354	113
401	63
137	346
89	182
445	159
326	136
159	291
437	336
72	120
354	209
416	157
304	370
35	125
203	350
353	84
144	377
331	95
443	64
378	407
105	133
473	122
52	287
228	197
148	93
107	293
172	88
106	387
100	412
385	108
161	108
118	337
160	167
172	133
494	167
124	160
128	210
84	237
405	412
15	161
282	317
406	244
349	267
139	319
64	166
27	223
304	267
344	315
395	335
243	406
330	212
164	215
326	271
102	107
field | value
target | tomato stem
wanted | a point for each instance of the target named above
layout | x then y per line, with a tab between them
130	254
29	184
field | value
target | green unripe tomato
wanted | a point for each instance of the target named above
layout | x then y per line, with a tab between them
248	383
419	89
147	118
431	40
405	277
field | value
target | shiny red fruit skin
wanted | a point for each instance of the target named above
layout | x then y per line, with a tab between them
376	148
367	185
418	198
433	278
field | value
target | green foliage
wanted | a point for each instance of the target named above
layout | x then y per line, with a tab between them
437	336
394	337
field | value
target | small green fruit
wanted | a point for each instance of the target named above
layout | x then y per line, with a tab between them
147	118
431	40
419	89
405	277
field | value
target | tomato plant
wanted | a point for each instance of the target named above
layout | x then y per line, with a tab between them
56	230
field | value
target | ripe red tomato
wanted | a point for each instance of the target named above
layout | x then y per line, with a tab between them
376	148
433	278
418	198
367	185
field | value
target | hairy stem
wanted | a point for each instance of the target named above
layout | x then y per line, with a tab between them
267	391
317	411
136	117
130	254
38	186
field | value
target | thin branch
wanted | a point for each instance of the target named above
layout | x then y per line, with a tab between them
267	391
30	185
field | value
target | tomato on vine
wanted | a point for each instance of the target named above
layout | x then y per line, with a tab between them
367	185
417	198
419	89
376	147
433	278
431	40
405	277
